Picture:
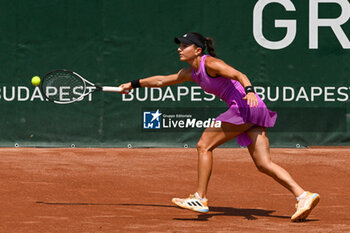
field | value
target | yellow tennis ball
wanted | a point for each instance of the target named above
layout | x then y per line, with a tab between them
36	80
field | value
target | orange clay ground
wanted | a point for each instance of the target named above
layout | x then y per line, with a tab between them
130	190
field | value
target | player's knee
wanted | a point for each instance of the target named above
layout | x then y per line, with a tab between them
203	146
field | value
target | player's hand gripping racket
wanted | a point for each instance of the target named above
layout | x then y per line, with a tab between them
65	87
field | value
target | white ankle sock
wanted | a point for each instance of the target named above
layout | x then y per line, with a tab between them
301	196
201	199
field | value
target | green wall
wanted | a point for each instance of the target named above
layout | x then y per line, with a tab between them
111	42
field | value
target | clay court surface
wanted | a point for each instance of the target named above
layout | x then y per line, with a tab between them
130	190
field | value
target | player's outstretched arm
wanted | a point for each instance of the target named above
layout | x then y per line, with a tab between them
183	75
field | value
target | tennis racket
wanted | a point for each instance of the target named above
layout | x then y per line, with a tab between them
65	87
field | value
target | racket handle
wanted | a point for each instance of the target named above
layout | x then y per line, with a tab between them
112	89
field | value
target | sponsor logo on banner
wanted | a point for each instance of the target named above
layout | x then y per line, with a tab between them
152	120
173	119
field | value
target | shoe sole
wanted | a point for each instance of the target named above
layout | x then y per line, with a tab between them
307	212
187	208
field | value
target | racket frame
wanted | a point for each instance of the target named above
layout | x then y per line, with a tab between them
87	90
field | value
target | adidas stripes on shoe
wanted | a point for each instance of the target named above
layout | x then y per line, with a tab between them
192	203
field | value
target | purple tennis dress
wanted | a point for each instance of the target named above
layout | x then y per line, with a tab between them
232	92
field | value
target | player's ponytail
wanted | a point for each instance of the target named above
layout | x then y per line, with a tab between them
210	46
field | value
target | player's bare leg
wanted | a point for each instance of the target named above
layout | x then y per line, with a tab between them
210	139
260	153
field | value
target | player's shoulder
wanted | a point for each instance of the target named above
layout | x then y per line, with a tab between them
213	62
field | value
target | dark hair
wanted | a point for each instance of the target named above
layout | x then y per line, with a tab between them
210	46
207	42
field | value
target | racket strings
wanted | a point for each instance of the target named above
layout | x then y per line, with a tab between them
63	86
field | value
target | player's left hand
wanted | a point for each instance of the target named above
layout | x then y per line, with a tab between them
252	100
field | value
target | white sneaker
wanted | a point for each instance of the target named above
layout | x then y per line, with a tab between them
304	206
192	203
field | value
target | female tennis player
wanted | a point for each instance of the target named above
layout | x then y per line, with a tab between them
246	119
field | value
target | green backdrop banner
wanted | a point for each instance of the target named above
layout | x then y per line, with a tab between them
297	54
